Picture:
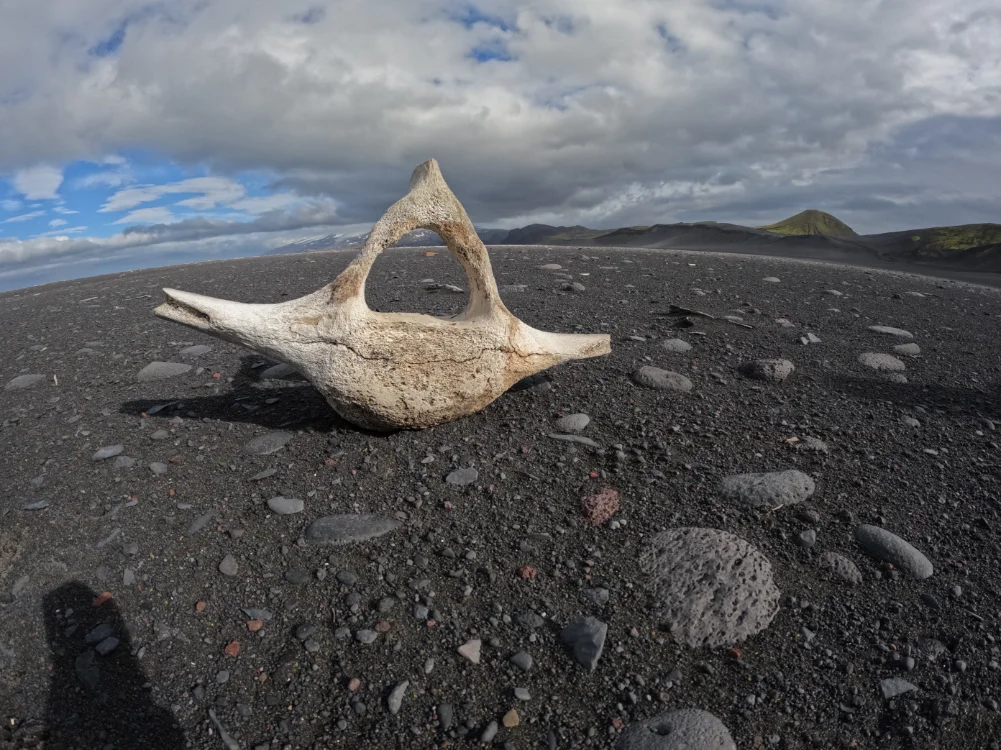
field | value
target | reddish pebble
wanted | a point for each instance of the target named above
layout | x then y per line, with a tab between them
736	653
354	684
527	572
233	649
101	599
175	459
199	606
617	723
382	626
600	507
254	625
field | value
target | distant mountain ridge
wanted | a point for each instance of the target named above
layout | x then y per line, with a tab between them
810	234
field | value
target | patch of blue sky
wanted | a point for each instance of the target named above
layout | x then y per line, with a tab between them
88	186
490	51
674	44
110	44
469	16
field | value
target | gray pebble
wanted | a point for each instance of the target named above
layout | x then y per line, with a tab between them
572	422
109	451
395	700
883	545
662	380
264	445
228	566
285	506
462	477
161	370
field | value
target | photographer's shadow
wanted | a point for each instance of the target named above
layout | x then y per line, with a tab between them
98	694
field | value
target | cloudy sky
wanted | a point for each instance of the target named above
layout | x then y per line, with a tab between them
137	133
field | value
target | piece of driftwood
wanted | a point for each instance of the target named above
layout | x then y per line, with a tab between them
386	371
676	310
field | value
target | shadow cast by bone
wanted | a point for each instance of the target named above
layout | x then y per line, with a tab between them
969	401
97	700
296	405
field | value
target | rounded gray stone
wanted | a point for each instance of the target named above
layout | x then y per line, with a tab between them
775	370
195	351
109	451
711	587
264	445
891	331
662	380
463	476
768	489
883	545
881	362
684	729
281	372
23	381
395	700
909	349
772	279
676	346
286	506
840	567
349	527
158	467
161	370
573	422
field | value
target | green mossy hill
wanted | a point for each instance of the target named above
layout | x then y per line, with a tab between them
962	237
812	222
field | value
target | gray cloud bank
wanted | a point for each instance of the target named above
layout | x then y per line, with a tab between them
887	113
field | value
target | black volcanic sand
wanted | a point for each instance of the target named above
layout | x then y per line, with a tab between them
812	679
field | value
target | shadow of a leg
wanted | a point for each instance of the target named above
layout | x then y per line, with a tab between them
98	694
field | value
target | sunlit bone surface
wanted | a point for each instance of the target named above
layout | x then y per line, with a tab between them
386	371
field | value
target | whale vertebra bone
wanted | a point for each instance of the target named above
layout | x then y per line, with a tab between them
386	371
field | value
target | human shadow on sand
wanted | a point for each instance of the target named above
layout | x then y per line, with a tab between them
97	700
296	404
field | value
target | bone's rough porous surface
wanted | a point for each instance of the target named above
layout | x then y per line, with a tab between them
711	587
387	371
684	729
768	489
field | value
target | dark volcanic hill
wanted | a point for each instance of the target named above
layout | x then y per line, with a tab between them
811	235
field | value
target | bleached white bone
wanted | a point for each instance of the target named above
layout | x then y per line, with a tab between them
386	371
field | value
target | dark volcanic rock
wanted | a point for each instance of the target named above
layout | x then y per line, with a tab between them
586	638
